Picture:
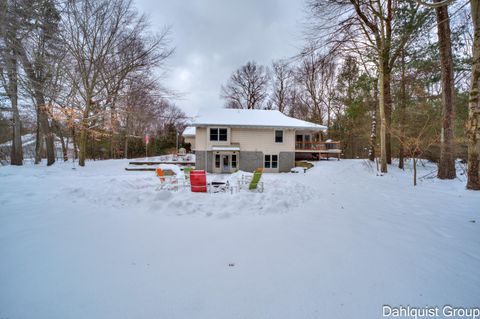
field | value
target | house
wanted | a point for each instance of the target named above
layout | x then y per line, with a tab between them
189	136
227	140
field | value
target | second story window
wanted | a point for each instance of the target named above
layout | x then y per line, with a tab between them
279	136
218	134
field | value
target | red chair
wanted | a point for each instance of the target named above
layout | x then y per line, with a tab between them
198	181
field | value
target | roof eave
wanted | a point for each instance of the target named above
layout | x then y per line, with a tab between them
320	128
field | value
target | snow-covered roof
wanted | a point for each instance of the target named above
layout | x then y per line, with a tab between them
189	131
253	118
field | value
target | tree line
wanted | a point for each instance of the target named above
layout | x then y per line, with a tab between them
84	73
390	79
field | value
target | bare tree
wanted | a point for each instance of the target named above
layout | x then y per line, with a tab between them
402	105
282	77
95	33
416	143
473	123
309	78
379	26
9	73
247	87
446	165
133	55
36	50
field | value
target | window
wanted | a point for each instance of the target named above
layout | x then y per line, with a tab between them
222	134
217	160
234	161
267	161
278	136
271	161
218	134
274	161
214	134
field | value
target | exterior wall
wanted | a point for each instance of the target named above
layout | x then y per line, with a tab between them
263	140
200	139
254	144
286	161
250	161
200	160
250	139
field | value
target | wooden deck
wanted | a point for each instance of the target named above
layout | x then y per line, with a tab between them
317	146
328	149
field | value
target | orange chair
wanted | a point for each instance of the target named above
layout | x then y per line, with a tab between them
160	174
167	181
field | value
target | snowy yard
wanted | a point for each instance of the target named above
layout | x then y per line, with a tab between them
336	242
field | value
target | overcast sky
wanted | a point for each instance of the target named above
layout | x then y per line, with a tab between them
214	37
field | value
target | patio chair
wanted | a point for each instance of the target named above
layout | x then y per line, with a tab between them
166	181
186	175
255	183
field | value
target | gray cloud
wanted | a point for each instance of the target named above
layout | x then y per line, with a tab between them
214	37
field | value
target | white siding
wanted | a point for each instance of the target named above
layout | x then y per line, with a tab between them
263	140
250	139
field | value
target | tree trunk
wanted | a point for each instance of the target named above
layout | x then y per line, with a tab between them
58	129
473	123
414	171
446	166
45	128
126	146
113	148
388	113
83	143
74	142
383	120
127	124
16	155
11	87
83	133
373	130
403	106
38	141
36	85
373	136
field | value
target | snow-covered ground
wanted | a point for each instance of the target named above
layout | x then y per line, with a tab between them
336	242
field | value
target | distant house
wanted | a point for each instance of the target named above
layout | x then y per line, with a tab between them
189	136
227	140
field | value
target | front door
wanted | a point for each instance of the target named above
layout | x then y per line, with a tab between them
226	164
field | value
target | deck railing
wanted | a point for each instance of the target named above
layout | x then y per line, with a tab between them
317	146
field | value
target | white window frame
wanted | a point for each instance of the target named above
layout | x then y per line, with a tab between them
232	161
218	134
270	161
275	136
